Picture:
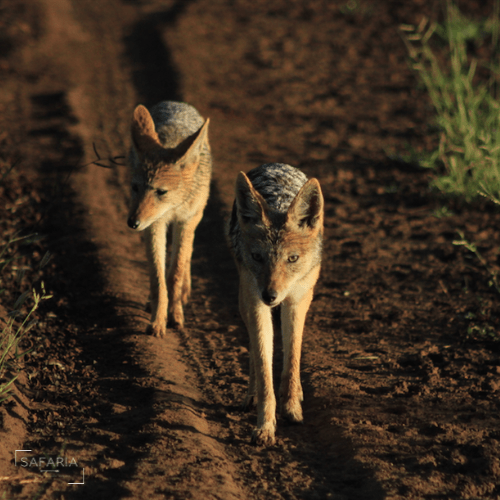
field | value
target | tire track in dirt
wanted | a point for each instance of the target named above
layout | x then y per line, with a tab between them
150	429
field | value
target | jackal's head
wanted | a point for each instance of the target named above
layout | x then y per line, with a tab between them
280	249
160	176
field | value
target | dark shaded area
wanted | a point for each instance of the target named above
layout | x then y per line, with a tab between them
155	77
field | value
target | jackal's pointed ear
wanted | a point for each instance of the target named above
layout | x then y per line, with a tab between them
306	210
144	135
189	151
251	206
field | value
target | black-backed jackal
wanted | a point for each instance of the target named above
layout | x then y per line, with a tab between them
171	166
275	233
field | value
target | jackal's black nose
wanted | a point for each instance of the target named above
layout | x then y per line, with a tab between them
269	296
133	223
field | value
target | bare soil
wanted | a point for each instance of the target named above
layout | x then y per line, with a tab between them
401	367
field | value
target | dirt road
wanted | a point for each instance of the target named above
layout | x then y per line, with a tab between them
399	401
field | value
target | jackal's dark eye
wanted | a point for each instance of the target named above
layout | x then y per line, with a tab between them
135	188
161	192
293	258
257	257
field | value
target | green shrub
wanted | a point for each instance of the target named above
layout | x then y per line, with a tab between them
467	111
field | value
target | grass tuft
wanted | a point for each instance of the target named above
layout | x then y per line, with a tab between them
466	105
11	336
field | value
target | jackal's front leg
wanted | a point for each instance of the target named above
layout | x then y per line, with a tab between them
293	315
156	242
257	317
179	274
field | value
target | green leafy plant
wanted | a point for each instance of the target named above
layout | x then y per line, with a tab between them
467	111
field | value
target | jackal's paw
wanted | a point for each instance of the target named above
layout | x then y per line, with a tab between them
157	329
292	411
264	436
